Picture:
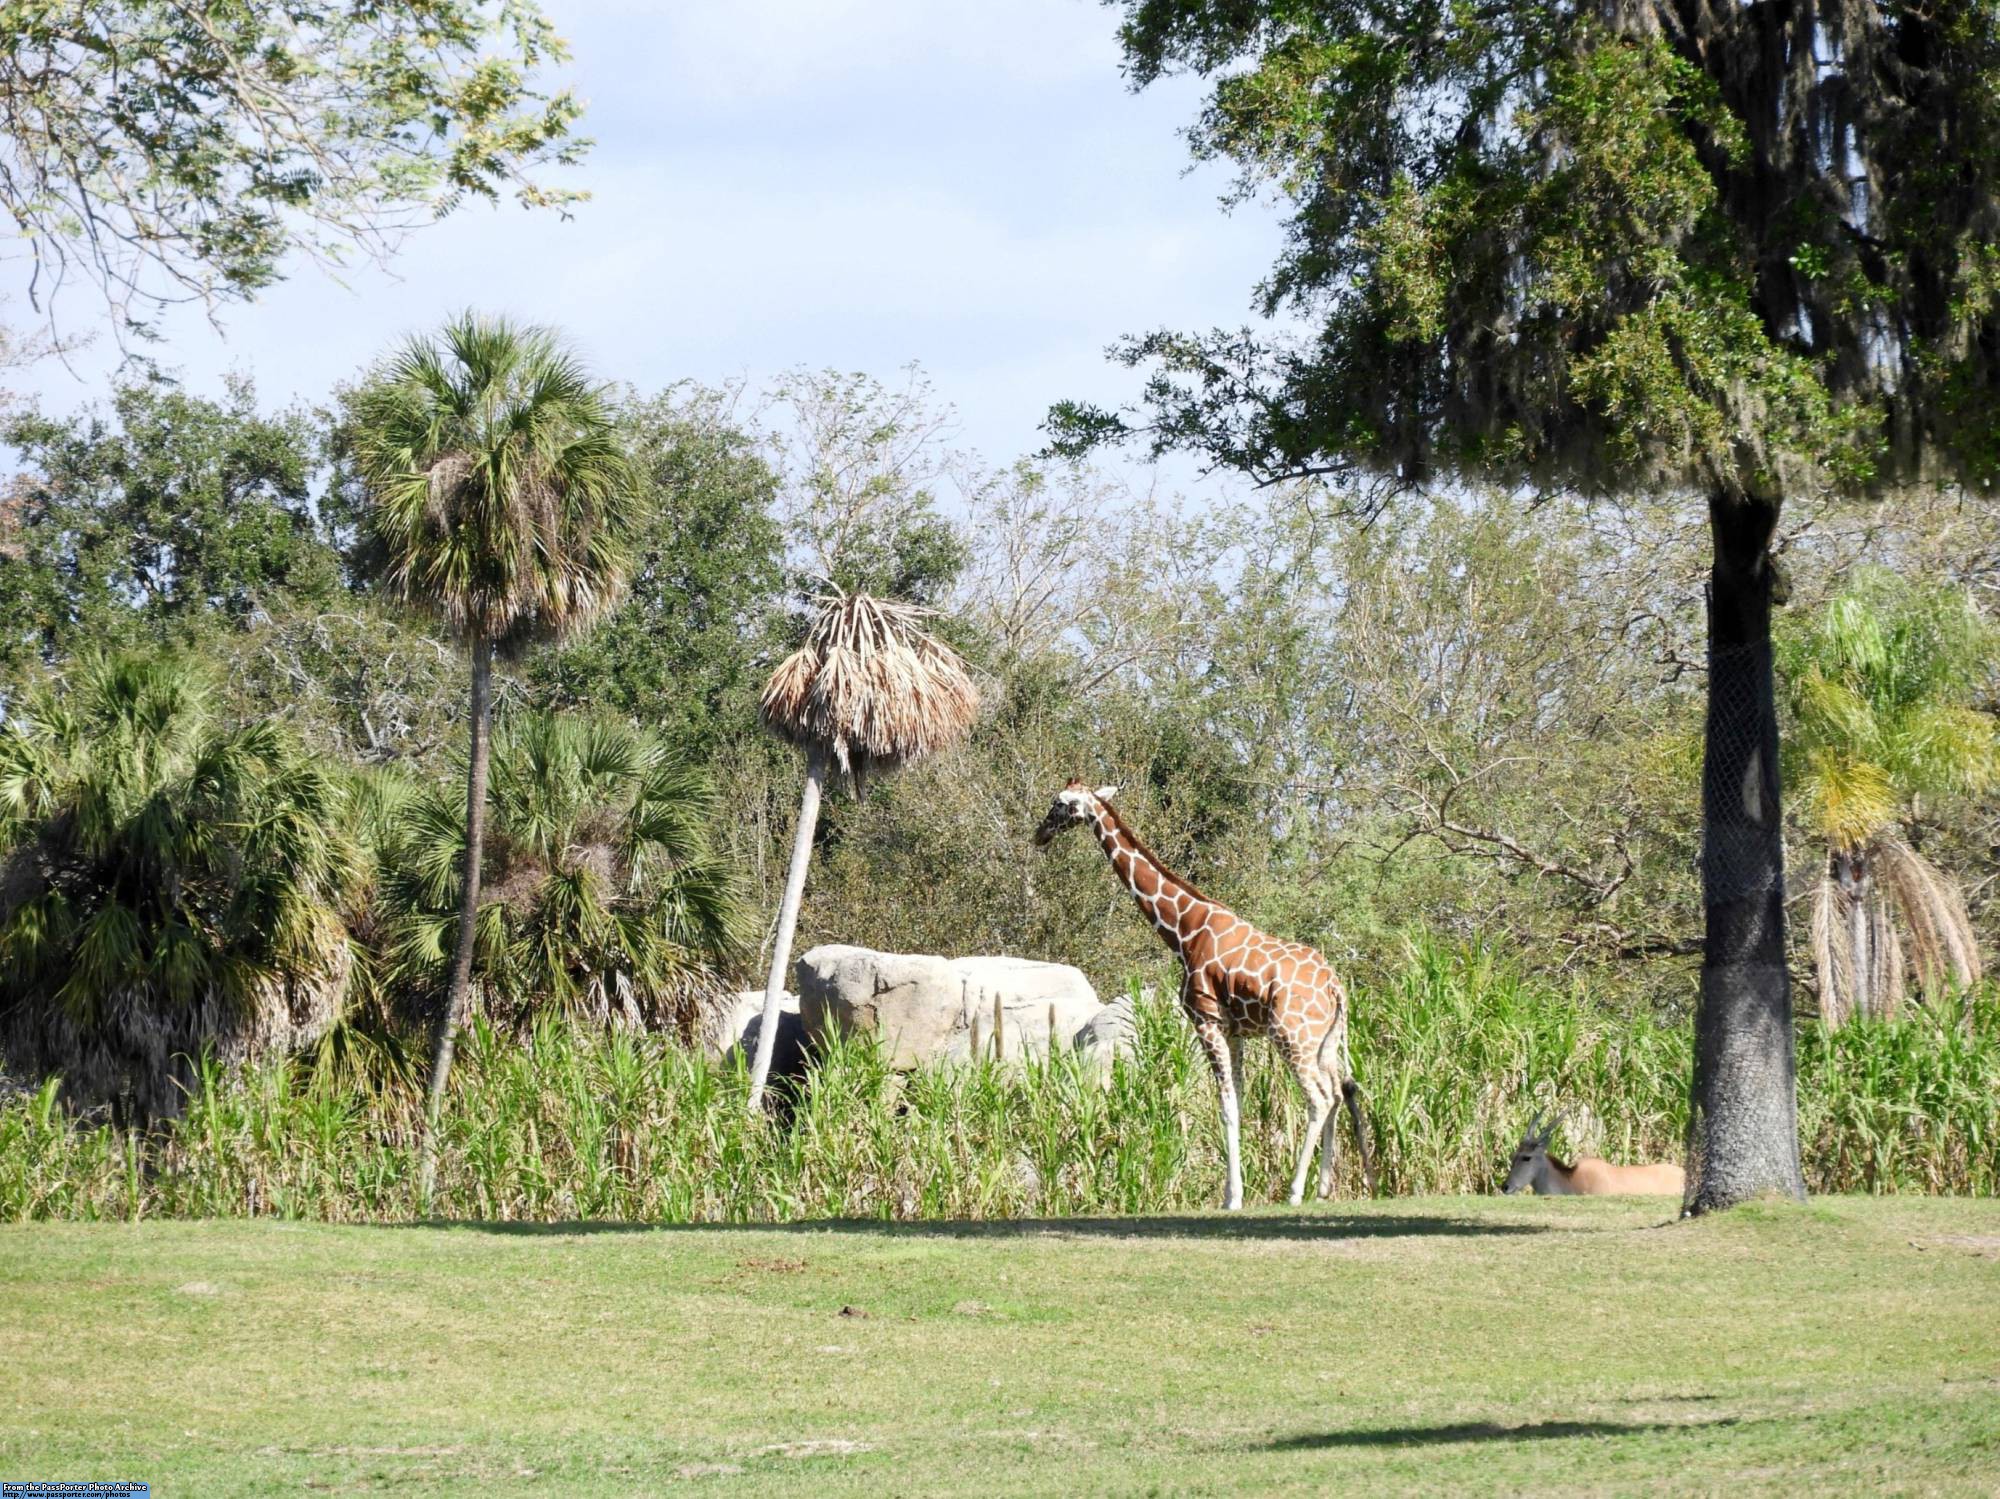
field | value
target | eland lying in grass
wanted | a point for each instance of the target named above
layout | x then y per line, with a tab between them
1589	1177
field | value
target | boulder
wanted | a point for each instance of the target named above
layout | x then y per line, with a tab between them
730	1021
745	1021
925	1010
1112	1032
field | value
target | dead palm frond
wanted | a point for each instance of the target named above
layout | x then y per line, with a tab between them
870	687
1942	944
1832	965
1857	954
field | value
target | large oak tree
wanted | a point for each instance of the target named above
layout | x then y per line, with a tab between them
166	152
1735	251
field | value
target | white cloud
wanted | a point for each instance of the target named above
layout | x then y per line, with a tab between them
806	219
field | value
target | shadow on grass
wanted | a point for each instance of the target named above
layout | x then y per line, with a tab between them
1481	1431
1321	1227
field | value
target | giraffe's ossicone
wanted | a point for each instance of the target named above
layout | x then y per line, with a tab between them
1237	981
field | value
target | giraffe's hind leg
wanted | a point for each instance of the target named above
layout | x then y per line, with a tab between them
1337	1071
1339	1068
1320	1095
1329	1146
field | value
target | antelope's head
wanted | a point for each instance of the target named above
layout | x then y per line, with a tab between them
1530	1157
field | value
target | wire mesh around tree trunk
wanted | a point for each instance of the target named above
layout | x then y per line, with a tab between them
1743	847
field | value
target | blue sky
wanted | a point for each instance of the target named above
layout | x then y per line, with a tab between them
846	183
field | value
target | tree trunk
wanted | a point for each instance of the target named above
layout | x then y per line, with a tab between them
1743	1133
1855	886
468	921
788	921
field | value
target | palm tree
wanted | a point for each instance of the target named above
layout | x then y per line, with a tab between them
1880	685
607	899
502	502
174	885
868	691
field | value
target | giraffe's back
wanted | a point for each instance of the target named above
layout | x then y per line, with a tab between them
1257	983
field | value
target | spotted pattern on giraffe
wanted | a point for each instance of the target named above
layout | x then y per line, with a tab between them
1237	980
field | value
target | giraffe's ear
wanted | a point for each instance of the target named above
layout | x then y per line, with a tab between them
1105	793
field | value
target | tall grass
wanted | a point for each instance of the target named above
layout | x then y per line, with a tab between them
1455	1051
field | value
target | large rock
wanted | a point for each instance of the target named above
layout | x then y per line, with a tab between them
730	1022
925	1010
790	1056
1111	1033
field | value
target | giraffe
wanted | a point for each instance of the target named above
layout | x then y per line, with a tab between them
1236	981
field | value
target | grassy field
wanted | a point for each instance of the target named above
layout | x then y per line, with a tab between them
1448	1343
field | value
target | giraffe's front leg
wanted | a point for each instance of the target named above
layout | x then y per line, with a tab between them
1221	1051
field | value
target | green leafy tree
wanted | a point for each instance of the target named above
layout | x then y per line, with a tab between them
164	518
860	464
174	885
1713	252
170	152
503	503
1882	686
709	572
607	899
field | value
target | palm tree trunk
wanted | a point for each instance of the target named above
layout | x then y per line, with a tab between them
1867	1003
788	921
468	919
1743	1133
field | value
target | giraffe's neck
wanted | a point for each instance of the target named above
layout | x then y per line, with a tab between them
1175	911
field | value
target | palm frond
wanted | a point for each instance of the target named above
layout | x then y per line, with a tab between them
1943	748
187	876
1943	946
871	687
1834	711
1881	687
1850	800
503	500
605	899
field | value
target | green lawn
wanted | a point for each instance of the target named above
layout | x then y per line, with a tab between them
1471	1344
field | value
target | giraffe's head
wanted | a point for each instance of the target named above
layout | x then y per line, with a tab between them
1073	804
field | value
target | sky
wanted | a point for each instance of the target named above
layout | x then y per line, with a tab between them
853	184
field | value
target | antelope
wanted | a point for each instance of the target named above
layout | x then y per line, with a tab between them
1589	1177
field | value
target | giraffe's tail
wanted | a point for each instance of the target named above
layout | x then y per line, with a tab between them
1350	1092
1342	1069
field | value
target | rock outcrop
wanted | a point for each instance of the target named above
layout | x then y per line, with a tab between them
742	1023
925	1010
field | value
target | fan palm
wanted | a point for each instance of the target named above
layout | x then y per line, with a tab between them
606	899
1880	685
869	690
501	502
174	885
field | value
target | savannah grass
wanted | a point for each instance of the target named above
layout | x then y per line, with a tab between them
1455	1050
